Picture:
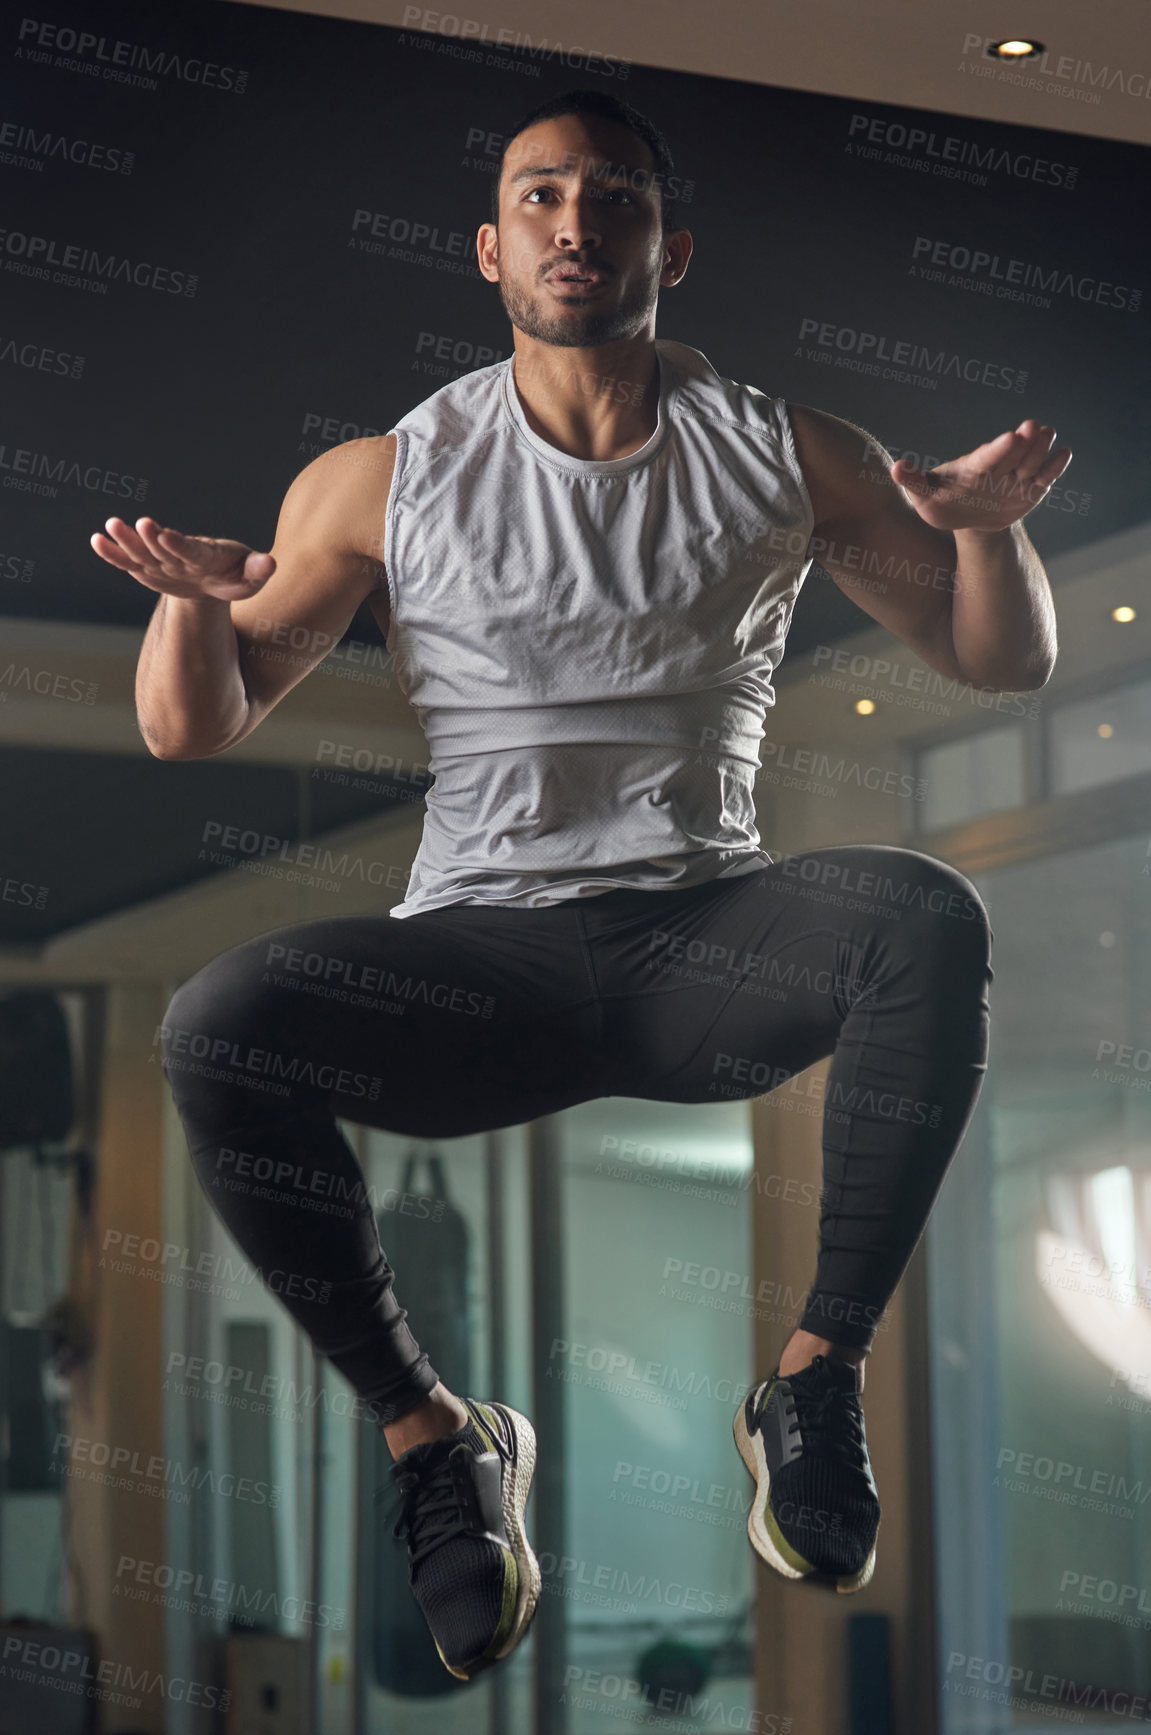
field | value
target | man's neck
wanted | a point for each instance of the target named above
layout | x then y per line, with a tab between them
595	404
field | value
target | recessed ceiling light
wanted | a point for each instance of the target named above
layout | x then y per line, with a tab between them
865	707
1015	48
1123	613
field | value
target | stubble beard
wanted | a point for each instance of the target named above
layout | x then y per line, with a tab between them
579	327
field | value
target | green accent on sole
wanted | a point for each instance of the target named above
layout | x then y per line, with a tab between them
791	1555
508	1607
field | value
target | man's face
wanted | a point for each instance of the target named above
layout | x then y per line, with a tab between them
580	255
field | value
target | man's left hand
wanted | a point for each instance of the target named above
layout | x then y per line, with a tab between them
990	488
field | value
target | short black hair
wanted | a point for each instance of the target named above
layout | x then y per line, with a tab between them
599	103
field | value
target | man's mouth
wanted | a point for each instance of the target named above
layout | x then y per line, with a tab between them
575	274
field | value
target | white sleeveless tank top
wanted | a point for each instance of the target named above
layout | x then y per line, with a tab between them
588	645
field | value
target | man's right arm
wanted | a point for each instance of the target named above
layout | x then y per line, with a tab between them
234	629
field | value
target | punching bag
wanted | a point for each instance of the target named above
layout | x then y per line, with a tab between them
426	1240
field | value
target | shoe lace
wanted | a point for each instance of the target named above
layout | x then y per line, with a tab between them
830	1422
432	1510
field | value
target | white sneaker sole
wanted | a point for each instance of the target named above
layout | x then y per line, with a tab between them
752	1452
516	1491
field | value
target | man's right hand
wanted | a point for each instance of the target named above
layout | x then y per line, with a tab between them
184	566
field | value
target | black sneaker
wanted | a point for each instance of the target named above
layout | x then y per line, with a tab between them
471	1569
816	1507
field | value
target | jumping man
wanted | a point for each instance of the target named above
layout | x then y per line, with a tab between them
585	560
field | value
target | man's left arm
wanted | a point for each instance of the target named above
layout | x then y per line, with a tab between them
952	570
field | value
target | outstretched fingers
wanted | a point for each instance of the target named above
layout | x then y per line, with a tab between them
1033	454
124	547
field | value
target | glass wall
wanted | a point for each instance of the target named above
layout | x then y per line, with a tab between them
1041	1315
628	1340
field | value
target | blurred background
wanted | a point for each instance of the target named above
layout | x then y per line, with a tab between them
194	1519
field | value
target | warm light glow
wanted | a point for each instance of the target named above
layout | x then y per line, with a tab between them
1113	1196
865	707
1015	49
1123	613
1105	730
1100	1293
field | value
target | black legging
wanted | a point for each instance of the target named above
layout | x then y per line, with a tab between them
473	1017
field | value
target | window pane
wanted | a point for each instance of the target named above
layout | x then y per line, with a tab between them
1102	738
1041	1314
660	1302
978	774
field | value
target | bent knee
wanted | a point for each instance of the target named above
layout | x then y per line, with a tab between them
949	902
209	1010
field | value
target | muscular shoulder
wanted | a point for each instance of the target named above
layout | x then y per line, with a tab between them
842	464
347	486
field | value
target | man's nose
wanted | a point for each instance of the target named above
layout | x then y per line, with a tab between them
577	223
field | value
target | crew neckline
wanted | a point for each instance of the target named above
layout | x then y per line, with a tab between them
592	466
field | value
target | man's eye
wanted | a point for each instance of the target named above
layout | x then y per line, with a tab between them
608	193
